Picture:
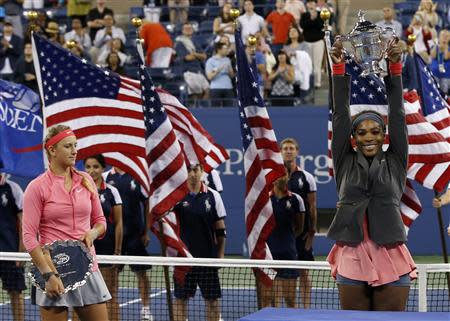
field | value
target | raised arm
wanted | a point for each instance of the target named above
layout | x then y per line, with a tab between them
398	133
342	126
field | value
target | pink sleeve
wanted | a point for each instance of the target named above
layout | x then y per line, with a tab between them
97	216
32	212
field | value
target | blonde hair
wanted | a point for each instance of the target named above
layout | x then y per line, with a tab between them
55	130
290	140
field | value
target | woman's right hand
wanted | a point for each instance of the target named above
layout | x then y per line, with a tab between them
337	52
54	287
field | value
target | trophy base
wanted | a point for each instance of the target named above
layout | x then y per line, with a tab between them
373	68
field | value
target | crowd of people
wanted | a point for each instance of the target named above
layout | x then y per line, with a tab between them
289	51
108	210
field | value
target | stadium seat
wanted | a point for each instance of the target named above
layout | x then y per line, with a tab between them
206	27
136	12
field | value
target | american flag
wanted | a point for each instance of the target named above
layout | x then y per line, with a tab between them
103	109
434	107
198	145
262	159
437	113
166	164
105	112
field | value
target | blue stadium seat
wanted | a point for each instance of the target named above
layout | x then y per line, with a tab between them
136	12
206	27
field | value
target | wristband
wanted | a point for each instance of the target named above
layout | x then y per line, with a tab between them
221	232
339	69
395	69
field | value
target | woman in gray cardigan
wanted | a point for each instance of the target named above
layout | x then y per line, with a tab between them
371	264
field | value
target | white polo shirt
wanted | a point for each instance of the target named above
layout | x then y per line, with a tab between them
250	25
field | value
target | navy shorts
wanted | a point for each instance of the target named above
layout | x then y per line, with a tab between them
133	245
286	273
302	253
104	248
13	277
207	279
404	280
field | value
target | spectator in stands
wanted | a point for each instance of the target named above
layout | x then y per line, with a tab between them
430	17
389	22
114	63
251	22
79	34
312	27
296	8
423	37
33	4
304	184
116	46
299	53
24	72
53	34
11	49
136	224
282	78
13	12
220	72
76	49
51	198
158	45
12	273
289	212
223	24
189	56
111	243
78	9
94	18
440	63
370	262
409	73
342	7
326	4
281	21
104	37
178	11
201	216
231	52
260	62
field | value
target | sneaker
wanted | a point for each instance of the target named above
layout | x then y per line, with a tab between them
146	315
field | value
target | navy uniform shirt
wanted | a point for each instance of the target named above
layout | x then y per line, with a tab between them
197	214
302	183
109	197
133	200
11	202
282	238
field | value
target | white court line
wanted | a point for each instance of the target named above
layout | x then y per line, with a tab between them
138	300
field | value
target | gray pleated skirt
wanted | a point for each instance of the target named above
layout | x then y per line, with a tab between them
94	291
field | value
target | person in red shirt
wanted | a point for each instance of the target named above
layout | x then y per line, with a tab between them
281	21
158	44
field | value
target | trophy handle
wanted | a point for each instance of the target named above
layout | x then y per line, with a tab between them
343	39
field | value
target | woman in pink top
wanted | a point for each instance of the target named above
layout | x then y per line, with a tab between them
63	204
370	261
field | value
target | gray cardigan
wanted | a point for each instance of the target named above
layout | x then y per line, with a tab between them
376	188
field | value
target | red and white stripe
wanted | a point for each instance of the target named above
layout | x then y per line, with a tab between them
198	144
265	142
410	206
259	219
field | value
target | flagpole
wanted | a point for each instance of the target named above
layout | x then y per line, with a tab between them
166	270
137	23
443	241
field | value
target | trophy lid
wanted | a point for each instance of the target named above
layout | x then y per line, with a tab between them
362	25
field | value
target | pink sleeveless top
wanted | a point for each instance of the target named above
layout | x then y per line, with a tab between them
370	262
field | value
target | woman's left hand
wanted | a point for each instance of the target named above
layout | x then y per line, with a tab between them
89	237
394	51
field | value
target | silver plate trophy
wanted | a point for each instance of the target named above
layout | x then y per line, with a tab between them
368	44
72	260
